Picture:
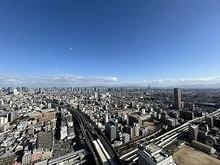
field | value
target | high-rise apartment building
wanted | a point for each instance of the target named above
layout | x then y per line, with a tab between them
125	137
3	119
136	129
193	132
177	98
209	121
106	118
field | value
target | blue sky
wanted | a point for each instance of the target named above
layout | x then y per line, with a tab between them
83	43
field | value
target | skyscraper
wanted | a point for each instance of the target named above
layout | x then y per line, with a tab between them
193	132
177	98
209	121
111	131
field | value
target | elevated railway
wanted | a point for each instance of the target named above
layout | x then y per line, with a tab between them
96	141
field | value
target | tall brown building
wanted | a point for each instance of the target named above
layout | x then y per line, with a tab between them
177	98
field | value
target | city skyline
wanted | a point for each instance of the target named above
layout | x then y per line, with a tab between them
68	80
74	43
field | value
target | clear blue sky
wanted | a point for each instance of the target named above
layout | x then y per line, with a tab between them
131	41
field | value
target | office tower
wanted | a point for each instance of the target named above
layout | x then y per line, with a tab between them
209	121
193	132
111	131
23	89
10	90
40	90
140	121
130	131
177	98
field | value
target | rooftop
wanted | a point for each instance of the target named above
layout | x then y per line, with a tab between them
151	148
154	152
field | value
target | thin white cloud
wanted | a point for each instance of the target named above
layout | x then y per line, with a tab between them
55	70
71	48
186	81
60	80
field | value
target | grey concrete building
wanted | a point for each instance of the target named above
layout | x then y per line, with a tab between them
45	139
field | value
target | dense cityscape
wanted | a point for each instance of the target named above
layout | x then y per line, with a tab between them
109	125
119	82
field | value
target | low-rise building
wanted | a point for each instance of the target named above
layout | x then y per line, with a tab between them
151	154
26	159
125	137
